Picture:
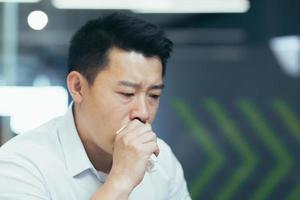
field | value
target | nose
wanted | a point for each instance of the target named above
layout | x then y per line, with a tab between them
140	110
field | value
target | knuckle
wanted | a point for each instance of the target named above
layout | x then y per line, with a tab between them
138	151
149	127
125	141
153	135
136	122
155	146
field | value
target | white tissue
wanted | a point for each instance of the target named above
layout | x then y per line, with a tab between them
151	165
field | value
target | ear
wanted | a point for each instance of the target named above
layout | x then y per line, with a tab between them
76	84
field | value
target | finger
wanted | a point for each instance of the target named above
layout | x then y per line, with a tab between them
133	125
134	134
127	127
157	151
148	136
151	148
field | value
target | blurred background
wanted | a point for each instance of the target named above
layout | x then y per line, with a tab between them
230	110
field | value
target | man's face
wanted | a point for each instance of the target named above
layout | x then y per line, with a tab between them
128	88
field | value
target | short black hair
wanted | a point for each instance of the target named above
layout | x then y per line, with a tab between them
90	45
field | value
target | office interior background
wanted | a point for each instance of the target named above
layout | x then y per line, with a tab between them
231	106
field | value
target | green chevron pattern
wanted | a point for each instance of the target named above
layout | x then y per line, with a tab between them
240	177
248	158
216	158
289	118
283	159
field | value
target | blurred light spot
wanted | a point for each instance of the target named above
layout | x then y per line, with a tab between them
30	107
286	50
20	1
193	6
159	6
37	20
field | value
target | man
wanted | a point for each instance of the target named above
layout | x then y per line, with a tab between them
102	147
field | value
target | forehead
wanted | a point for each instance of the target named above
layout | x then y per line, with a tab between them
132	66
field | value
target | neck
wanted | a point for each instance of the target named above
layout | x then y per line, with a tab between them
100	159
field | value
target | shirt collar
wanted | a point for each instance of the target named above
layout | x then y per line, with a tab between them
75	155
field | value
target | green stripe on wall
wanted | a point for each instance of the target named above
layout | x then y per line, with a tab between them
283	160
216	158
248	158
289	118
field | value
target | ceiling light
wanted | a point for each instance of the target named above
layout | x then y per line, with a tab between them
159	6
37	20
286	50
19	1
196	6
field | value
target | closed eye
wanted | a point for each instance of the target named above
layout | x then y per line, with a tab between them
154	96
126	94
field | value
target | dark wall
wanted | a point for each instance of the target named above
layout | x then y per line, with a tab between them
232	113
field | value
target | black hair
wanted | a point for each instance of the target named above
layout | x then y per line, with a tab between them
90	45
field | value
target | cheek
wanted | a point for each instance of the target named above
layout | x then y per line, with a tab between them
119	108
154	110
116	116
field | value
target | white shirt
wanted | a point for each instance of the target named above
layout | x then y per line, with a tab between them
50	162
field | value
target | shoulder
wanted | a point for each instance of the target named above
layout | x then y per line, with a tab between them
19	168
20	176
25	161
31	146
39	135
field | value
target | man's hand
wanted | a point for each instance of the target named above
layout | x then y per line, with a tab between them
134	144
133	147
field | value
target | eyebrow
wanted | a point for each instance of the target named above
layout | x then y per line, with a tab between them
137	86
